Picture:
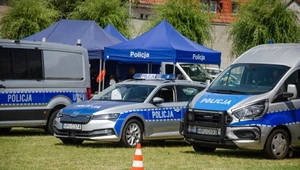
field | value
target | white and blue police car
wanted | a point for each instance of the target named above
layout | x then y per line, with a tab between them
148	107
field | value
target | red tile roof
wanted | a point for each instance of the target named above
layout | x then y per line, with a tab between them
152	2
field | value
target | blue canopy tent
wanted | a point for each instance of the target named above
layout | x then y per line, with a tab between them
114	32
162	43
91	35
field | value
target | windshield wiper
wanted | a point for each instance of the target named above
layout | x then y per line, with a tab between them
229	91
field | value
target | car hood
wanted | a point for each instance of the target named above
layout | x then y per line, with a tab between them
218	102
92	106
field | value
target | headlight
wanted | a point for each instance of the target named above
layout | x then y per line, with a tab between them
112	116
251	111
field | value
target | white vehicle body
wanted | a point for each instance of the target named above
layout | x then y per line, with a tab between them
185	71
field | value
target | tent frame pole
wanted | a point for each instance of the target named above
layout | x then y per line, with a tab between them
100	69
104	76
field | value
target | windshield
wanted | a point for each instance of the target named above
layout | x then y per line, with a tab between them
195	72
125	92
248	78
213	72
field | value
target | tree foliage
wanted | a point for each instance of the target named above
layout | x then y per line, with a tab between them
186	17
259	21
104	12
64	6
24	18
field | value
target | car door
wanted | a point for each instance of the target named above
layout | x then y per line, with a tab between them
167	115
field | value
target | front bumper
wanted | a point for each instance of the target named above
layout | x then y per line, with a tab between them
93	130
245	138
212	129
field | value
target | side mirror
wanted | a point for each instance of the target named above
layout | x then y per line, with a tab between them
291	92
157	100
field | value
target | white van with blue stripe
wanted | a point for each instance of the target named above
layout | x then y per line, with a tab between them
253	105
37	79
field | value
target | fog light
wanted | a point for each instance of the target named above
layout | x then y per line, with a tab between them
191	117
247	134
103	132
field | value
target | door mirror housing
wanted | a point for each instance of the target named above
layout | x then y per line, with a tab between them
157	100
291	91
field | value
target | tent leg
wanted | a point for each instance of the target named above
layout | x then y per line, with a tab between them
149	67
104	76
99	84
174	66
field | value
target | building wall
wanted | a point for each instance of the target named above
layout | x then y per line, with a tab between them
295	6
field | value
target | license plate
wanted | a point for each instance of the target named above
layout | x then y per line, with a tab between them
207	131
72	126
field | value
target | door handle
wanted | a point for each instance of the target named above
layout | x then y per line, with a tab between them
1	86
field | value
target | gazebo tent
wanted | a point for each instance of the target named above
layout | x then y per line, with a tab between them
114	32
163	43
91	35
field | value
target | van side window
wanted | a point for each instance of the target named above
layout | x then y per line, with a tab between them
23	64
57	69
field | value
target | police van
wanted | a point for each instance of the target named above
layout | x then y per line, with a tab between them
37	79
257	110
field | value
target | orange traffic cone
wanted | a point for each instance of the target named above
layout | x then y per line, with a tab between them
138	159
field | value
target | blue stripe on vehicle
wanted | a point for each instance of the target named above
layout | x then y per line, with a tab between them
29	98
151	115
219	102
272	119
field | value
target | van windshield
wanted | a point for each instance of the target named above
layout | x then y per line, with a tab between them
248	78
195	72
125	92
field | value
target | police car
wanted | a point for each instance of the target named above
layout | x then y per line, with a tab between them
149	107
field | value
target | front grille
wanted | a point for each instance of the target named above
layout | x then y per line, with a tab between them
211	117
77	119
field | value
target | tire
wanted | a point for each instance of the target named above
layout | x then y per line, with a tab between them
277	145
4	130
49	127
71	141
202	149
132	133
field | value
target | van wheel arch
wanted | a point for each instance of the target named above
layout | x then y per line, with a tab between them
49	126
283	131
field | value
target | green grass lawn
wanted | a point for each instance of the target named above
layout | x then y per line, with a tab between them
31	149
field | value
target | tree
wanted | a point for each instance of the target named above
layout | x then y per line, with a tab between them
259	21
64	6
186	17
24	18
104	12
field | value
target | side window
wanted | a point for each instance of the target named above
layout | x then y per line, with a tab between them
24	64
294	78
5	64
169	70
185	93
63	65
166	93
